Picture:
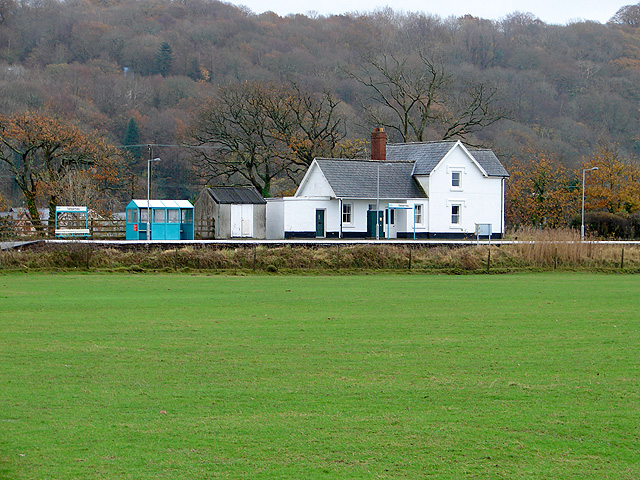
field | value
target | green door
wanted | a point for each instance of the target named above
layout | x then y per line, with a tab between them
320	232
371	224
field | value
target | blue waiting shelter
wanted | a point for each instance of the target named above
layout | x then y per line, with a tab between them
169	220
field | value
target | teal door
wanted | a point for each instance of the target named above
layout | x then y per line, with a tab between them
371	224
320	231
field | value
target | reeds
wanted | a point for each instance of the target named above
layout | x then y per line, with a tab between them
548	251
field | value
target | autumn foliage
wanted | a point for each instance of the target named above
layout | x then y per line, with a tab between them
48	157
539	192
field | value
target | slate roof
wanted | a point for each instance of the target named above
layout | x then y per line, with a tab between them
428	154
235	195
359	178
489	162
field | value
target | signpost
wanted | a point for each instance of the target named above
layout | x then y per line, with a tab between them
483	229
78	215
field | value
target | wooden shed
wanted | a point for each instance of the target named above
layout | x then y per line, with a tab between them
230	212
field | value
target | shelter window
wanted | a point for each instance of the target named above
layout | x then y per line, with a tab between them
455	214
144	217
158	215
418	214
347	213
173	215
187	215
129	216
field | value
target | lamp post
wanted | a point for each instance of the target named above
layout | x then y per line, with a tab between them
378	203
148	195
583	180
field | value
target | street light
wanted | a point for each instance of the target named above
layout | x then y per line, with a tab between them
148	194
583	180
378	203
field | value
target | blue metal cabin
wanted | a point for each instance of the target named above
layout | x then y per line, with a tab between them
170	220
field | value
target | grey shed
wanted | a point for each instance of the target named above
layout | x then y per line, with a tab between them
230	212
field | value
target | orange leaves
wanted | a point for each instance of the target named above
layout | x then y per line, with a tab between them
542	192
43	152
614	186
539	192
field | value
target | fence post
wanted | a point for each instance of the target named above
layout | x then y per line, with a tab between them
622	258
488	259
254	257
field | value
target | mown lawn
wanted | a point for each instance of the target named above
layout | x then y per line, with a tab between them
532	376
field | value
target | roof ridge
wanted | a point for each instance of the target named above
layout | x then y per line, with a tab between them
422	143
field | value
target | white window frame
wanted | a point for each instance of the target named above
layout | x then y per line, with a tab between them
459	174
457	224
347	214
418	218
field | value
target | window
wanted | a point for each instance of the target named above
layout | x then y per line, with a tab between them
391	216
456	179
144	218
129	216
134	216
347	213
187	215
173	216
417	214
158	216
455	214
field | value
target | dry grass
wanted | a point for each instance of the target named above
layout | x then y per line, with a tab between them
555	251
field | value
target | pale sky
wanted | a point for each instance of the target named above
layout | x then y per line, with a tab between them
549	11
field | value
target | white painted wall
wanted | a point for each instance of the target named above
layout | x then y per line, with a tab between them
300	214
480	197
275	218
314	184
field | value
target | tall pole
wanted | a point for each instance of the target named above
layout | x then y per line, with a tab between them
378	206
149	191
583	181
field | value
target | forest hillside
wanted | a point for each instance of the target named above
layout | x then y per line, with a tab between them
139	71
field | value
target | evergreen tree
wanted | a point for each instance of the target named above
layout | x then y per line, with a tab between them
164	58
131	140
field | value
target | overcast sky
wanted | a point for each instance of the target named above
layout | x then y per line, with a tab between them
549	11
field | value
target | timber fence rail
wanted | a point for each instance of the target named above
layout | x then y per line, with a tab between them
23	229
99	229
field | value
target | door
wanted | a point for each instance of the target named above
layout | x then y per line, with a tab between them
371	224
242	220
320	231
392	229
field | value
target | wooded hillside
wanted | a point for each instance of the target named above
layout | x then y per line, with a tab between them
138	71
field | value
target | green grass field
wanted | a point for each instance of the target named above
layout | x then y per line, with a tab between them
532	376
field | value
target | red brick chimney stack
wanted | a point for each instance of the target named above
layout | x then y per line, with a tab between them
379	144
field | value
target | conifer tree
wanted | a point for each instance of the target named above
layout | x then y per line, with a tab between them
164	58
131	140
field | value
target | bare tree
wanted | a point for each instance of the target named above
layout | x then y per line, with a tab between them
259	132
628	15
414	95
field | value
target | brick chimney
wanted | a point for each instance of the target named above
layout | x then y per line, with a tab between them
379	144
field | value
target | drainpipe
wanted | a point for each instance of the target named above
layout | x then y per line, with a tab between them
340	213
502	210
